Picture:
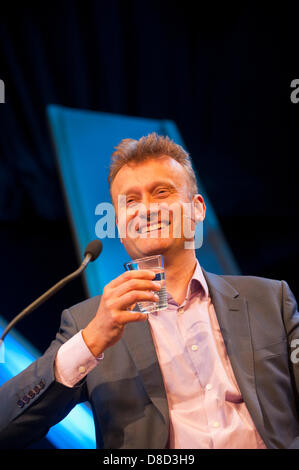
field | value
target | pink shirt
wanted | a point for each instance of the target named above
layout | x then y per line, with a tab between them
205	404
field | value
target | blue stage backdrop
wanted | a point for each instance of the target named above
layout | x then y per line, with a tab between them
84	141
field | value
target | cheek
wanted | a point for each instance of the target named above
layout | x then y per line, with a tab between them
121	224
183	221
126	225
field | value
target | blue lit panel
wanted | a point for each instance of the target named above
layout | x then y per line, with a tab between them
76	431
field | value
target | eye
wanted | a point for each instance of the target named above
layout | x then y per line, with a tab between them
162	192
131	201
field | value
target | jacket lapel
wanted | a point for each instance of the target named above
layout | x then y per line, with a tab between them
232	314
139	341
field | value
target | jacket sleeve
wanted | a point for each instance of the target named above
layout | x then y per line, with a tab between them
33	401
291	321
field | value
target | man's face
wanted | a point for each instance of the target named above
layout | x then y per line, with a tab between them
150	190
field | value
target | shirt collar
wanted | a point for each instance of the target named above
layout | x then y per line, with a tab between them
197	284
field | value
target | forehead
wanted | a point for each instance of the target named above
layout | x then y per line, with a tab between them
147	172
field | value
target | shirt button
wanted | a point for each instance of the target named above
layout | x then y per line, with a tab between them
194	347
180	310
82	369
215	424
208	387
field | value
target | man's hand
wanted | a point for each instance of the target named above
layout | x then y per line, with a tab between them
107	327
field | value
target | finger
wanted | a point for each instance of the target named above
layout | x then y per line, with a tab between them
130	317
135	274
134	296
136	284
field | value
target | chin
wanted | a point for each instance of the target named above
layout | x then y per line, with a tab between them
149	247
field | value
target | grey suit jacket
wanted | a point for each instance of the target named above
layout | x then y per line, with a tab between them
258	318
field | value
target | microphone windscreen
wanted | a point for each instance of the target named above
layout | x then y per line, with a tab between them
94	248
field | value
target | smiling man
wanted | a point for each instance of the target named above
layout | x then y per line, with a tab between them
157	189
213	370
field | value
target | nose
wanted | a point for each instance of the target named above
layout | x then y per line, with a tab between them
145	210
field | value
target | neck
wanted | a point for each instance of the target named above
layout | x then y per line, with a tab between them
178	273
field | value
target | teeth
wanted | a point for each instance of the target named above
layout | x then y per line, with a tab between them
153	227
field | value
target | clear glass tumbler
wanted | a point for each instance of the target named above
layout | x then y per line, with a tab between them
153	263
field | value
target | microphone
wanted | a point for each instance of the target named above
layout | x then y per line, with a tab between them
91	253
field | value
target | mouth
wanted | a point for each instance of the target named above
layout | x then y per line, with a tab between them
153	227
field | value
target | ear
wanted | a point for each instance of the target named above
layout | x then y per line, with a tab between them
199	208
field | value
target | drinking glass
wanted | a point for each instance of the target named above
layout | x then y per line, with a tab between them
153	263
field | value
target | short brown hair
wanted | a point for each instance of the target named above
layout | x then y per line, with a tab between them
152	145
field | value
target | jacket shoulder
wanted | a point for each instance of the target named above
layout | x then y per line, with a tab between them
253	284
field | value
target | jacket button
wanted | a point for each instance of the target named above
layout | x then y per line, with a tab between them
20	403
31	394
41	384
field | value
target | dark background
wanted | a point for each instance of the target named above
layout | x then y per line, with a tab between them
221	72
